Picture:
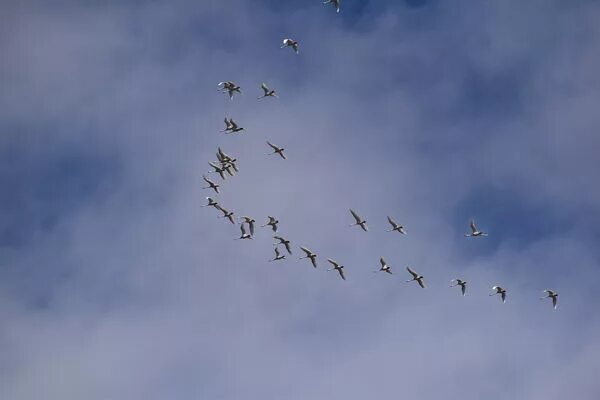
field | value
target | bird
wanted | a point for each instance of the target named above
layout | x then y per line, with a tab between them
226	161
276	150
384	267
211	203
250	221
310	255
211	184
395	226
272	223
284	242
359	221
338	267
335	3
244	234
290	43
474	231
501	291
461	283
277	255
230	88
268	92
553	295
226	214
416	277
218	169
231	126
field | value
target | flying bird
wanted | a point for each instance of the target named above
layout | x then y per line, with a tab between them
211	184
310	255
474	231
244	234
276	150
231	126
284	242
272	223
335	3
218	169
416	277
338	267
461	283
501	291
250	221
290	43
226	214
268	92
211	203
552	295
226	160
230	88
384	267
395	226
359	221
277	255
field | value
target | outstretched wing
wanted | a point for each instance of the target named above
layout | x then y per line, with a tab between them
276	252
382	261
392	222
341	272
307	251
243	230
413	273
355	215
233	124
473	227
335	264
265	88
273	146
421	283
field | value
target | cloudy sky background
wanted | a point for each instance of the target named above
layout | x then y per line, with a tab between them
116	284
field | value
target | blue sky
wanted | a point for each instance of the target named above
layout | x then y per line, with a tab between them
115	283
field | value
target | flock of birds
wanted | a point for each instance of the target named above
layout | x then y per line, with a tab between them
226	166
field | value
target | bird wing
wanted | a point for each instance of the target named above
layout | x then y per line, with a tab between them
355	215
503	297
382	261
554	301
313	260
463	289
335	264
281	240
265	88
276	252
243	230
287	247
392	222
273	146
233	124
307	251
207	180
473	227
341	272
421	283
227	122
413	273
251	225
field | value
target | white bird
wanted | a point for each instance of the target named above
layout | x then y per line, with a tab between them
310	255
226	160
230	88
272	223
268	92
501	291
250	221
211	184
277	255
231	126
284	242
226	214
461	283
416	277
395	226
244	234
218	169
211	203
384	267
553	295
290	43
359	221
474	231
276	150
335	3
338	267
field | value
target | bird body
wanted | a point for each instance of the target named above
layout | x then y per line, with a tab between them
359	221
501	291
310	255
272	223
284	242
338	267
474	231
395	226
276	150
461	283
211	184
416	277
384	267
552	295
291	43
226	214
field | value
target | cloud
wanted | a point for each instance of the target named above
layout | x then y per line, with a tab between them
116	284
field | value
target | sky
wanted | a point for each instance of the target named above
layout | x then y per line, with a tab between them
116	284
